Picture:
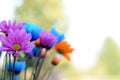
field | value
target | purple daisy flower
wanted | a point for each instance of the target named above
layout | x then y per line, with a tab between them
5	27
47	40
16	41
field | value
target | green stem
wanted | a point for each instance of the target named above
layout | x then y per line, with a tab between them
50	72
47	71
40	66
2	70
10	65
32	75
5	67
26	68
25	73
36	67
13	68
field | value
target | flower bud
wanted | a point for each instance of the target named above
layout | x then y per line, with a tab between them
56	59
43	52
37	42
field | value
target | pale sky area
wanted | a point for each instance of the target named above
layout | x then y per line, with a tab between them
89	22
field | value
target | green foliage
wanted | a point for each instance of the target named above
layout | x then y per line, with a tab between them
42	12
110	56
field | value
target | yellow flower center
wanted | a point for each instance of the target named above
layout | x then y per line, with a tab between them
16	46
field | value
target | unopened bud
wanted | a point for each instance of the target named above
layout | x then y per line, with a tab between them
37	42
56	59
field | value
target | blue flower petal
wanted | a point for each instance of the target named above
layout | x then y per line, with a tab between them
19	66
57	34
32	28
36	51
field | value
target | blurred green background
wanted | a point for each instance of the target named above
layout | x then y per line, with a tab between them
46	13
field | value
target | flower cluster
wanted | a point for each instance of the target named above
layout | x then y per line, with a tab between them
26	42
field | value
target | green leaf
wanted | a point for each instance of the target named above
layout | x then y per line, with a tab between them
22	54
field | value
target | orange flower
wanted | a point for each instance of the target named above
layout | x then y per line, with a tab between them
63	48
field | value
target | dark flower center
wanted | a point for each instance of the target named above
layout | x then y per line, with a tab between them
60	51
16	46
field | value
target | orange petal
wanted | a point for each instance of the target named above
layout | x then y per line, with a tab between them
66	56
70	50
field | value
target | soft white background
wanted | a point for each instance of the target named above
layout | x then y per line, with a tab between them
90	23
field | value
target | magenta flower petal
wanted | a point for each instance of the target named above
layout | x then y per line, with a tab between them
2	48
11	52
4	40
47	40
16	53
5	27
16	41
28	48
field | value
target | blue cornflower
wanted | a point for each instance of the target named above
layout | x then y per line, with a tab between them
34	29
36	51
19	66
58	35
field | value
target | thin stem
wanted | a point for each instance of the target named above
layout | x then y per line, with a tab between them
25	73
32	75
47	71
2	70
13	67
40	66
35	64
1	73
0	53
10	66
36	67
5	67
50	72
39	69
32	71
